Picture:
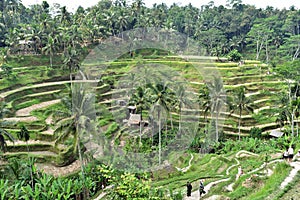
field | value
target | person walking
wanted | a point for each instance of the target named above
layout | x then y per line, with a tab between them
239	174
286	155
189	188
201	188
291	153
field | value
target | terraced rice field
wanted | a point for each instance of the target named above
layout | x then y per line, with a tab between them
34	102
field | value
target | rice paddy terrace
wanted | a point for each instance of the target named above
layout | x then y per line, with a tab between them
36	94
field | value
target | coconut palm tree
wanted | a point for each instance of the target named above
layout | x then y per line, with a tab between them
295	108
71	59
77	117
50	48
181	101
161	97
241	103
218	100
139	99
205	103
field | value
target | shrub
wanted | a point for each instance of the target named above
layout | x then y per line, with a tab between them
255	132
234	56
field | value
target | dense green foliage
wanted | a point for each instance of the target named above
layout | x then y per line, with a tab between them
266	34
56	38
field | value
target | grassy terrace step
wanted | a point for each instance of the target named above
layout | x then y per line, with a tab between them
26	111
43	93
264	84
32	99
34	133
42	85
40	156
247	79
113	93
39	146
263	127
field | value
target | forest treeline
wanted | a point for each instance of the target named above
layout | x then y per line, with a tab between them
268	34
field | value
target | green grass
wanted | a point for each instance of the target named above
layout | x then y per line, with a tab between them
112	128
203	166
27	104
271	184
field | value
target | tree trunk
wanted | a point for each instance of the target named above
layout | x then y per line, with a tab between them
140	142
179	120
240	124
292	125
51	61
171	121
267	53
159	138
166	134
217	128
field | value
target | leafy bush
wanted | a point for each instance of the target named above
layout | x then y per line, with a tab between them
111	129
255	132
234	56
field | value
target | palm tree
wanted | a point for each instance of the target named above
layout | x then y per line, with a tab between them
241	103
295	107
284	114
161	96
78	118
180	102
50	48
288	109
205	104
218	100
139	99
123	22
71	60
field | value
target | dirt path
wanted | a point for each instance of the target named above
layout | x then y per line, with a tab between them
20	119
26	111
49	131
23	115
59	171
19	142
196	195
291	176
188	167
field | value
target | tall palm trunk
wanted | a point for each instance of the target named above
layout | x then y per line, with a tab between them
141	124
292	125
240	124
140	142
51	62
217	128
159	138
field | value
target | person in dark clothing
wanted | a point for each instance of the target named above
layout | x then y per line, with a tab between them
201	188
189	188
